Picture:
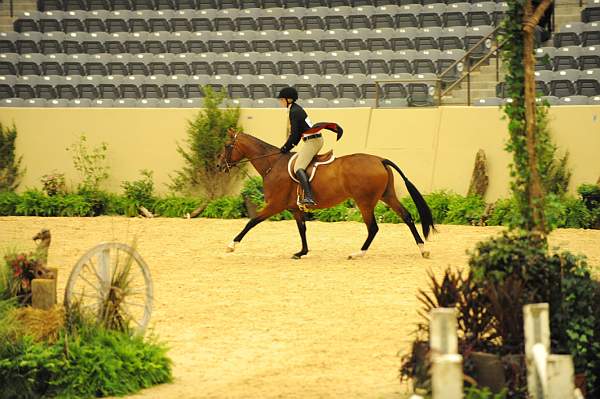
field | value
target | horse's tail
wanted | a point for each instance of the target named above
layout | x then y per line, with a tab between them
422	207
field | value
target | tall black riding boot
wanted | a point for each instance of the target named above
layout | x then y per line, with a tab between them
308	195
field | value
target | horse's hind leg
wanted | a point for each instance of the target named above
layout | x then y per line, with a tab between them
369	218
264	214
390	198
301	223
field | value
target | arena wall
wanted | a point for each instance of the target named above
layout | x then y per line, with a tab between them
435	147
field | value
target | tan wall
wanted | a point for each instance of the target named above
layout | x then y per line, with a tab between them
435	147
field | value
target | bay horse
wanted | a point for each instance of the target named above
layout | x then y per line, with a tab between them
364	178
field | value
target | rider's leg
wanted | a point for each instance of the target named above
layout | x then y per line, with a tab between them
308	150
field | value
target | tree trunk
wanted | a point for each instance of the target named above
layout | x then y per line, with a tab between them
535	194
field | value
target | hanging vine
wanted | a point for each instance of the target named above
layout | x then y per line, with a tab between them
529	140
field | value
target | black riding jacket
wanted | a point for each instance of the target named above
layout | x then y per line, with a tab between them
299	123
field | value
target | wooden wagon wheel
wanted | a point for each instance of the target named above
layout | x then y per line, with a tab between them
112	277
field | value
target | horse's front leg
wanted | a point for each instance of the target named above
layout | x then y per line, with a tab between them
301	223
268	211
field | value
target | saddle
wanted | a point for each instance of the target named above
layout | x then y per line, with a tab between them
311	170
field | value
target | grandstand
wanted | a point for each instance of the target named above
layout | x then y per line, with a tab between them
337	53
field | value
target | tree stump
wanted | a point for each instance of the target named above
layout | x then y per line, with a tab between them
43	291
479	179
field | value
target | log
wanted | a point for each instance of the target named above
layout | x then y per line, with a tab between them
196	211
43	291
479	179
146	212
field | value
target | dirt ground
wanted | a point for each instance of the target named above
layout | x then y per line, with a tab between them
257	324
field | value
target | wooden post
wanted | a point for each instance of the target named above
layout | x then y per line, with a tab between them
537	339
43	291
442	331
561	375
446	369
447	377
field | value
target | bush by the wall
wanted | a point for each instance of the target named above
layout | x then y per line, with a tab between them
8	203
95	362
173	207
465	210
590	194
225	208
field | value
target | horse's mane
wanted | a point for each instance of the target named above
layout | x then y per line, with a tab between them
263	144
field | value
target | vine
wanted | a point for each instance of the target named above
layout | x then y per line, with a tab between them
532	149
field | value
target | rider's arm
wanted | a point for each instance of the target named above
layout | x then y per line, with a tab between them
297	117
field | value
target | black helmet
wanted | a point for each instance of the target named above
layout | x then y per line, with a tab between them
288	92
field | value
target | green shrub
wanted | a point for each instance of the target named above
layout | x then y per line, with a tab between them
439	203
10	164
503	213
483	393
384	214
253	190
560	279
175	206
90	163
98	363
465	210
336	213
8	203
34	203
225	208
590	194
206	136
139	193
54	183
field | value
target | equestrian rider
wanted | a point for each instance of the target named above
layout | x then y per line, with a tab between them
313	141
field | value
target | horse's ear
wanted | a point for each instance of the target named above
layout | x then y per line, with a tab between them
230	132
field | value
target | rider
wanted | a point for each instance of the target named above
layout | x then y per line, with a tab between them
299	129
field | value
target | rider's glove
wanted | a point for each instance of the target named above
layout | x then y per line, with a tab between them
284	149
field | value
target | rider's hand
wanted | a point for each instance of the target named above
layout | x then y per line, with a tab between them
284	149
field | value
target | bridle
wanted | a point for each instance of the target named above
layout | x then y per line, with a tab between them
229	151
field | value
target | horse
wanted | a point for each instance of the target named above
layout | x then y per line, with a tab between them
365	178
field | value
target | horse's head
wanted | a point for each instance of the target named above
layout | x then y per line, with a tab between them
231	153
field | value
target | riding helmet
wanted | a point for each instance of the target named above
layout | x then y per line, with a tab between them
288	92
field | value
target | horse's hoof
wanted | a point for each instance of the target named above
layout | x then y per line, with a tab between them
425	254
230	247
296	256
357	255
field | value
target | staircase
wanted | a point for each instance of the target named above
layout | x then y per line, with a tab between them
483	80
6	21
483	85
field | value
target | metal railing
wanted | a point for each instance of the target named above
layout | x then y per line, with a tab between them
443	87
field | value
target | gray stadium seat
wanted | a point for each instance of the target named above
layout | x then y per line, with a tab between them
27	42
589	57
473	36
192	103
27	21
591	11
591	34
81	102
11	102
427	38
30	64
393	103
588	83
574	100
51	43
456	15
170	103
568	35
73	21
481	14
488	102
6	86
544	58
51	21
341	103
431	15
365	103
7	42
8	63
67	88
57	103
421	94
125	103
148	103
563	83
566	58
35	102
118	21
448	59
99	103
